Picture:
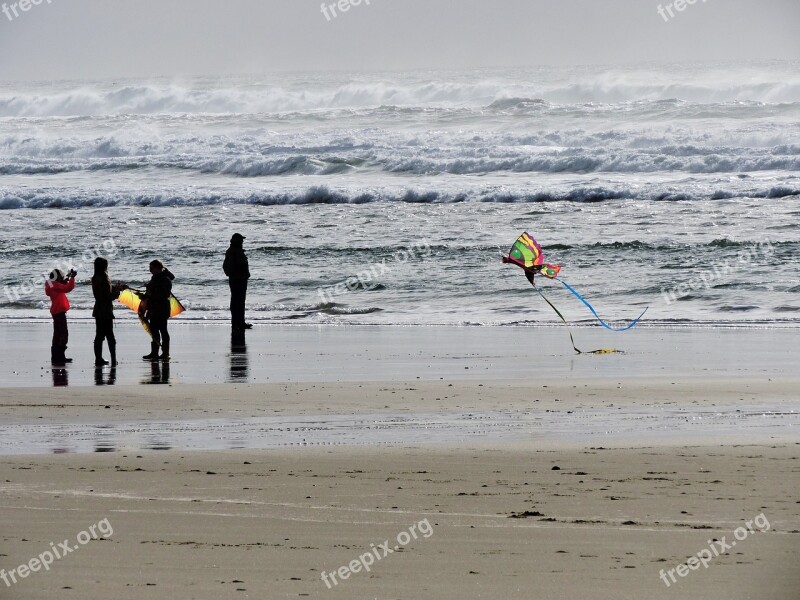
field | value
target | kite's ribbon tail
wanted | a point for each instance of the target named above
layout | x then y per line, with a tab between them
594	312
569	331
560	316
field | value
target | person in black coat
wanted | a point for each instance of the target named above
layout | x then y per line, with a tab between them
157	309
237	269
104	295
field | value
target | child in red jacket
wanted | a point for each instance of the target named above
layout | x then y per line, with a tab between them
57	289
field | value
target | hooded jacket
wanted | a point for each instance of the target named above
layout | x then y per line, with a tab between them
57	291
236	265
158	291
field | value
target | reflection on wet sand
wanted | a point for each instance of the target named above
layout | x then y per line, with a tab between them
104	440
159	372
400	428
239	362
60	378
99	378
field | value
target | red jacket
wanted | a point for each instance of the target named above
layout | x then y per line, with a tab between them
58	295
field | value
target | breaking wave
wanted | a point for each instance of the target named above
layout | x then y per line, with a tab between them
504	90
324	195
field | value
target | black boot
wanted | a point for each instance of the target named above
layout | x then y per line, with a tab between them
61	355
153	352
98	355
112	349
164	351
55	356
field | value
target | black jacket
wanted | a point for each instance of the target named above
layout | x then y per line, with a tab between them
236	265
104	296
159	289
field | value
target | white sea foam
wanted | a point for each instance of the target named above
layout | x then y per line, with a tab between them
773	83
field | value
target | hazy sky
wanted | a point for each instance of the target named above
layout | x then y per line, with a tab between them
68	39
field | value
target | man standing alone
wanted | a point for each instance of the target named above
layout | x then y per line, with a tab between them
237	269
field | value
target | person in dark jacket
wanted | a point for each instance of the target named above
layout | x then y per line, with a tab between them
57	289
237	269
104	295
157	309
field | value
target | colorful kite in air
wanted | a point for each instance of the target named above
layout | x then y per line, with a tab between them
134	299
527	253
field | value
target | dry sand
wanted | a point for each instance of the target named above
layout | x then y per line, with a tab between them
249	523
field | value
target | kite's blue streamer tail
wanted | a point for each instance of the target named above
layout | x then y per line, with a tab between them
594	312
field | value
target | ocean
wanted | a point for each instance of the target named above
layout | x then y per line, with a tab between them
389	198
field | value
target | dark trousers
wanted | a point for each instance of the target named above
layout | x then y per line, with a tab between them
238	296
104	330
158	328
60	331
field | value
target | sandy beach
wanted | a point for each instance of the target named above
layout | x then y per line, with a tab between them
204	525
558	487
404	300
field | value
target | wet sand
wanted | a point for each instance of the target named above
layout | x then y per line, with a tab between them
551	411
541	474
206	353
607	483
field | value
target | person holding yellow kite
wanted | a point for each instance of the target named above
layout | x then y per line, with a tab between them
155	305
